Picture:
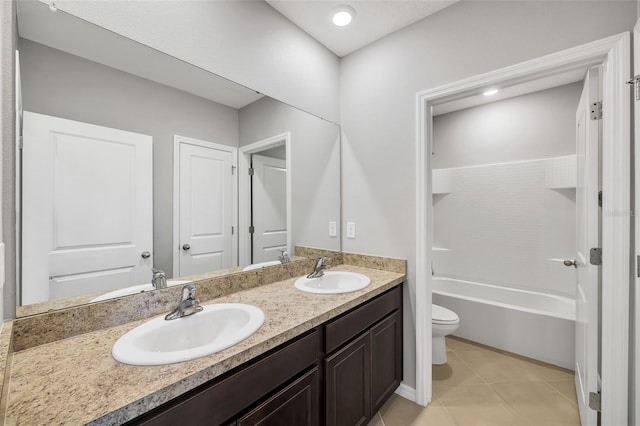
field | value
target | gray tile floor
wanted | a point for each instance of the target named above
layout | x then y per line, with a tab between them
481	386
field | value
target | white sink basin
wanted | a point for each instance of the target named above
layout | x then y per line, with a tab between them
135	289
217	327
333	282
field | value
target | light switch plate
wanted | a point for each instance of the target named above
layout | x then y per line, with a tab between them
351	229
333	229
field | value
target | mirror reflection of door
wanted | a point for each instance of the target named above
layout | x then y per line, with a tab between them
87	208
205	212
268	205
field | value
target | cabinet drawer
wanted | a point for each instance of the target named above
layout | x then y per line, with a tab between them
354	322
217	403
298	404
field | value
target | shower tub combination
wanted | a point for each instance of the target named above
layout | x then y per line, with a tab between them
533	324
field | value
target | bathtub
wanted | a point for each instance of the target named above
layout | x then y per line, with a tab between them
536	325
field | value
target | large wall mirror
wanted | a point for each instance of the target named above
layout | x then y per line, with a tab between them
135	161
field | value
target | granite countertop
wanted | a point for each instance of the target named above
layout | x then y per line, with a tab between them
76	381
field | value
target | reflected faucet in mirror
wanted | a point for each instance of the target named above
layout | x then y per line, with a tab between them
159	278
284	257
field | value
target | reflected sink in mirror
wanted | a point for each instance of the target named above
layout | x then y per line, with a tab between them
261	265
217	327
333	282
134	290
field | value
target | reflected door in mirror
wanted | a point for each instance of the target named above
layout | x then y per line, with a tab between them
269	207
206	207
87	208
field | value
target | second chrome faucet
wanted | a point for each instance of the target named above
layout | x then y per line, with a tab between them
318	270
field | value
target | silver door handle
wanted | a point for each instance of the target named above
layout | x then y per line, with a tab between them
145	255
186	247
573	263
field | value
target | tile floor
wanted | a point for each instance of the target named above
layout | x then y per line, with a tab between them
481	386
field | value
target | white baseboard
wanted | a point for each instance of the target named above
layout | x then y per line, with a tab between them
406	392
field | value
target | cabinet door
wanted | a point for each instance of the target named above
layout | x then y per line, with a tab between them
348	386
297	404
386	359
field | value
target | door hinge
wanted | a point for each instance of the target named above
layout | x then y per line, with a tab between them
600	198
638	266
20	142
233	230
233	170
596	110
594	401
635	81
595	256
252	229
251	171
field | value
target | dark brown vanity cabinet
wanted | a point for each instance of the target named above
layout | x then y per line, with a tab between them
361	374
339	373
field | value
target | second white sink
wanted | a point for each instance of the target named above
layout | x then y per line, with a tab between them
217	327
333	282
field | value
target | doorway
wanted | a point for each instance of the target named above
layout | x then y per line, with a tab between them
614	53
265	223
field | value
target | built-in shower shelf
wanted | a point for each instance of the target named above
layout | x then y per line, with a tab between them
441	182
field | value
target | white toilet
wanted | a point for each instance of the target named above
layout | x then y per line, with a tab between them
444	322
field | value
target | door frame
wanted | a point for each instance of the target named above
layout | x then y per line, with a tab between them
177	140
614	52
244	184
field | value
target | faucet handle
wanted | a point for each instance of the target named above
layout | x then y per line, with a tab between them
188	292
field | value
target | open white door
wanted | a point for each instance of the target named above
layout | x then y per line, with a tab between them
636	303
205	194
87	208
588	138
269	207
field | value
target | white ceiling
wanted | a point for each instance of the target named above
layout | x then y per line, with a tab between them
374	19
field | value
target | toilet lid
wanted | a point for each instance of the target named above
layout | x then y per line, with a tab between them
440	314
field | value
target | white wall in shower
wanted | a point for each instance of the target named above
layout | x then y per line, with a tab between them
504	202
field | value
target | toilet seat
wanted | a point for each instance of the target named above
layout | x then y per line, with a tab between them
442	315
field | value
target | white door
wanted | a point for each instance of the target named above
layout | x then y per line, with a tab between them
87	214
269	207
587	232
205	199
636	128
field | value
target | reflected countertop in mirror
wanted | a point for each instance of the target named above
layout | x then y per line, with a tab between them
153	163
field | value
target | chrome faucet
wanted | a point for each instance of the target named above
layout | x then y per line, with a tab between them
159	278
189	305
284	256
318	270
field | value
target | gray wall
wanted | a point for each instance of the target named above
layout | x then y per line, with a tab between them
315	170
248	42
378	86
62	85
537	125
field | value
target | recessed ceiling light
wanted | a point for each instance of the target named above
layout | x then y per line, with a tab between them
490	92
342	15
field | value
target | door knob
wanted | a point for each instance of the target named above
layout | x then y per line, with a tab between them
145	255
186	247
573	263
